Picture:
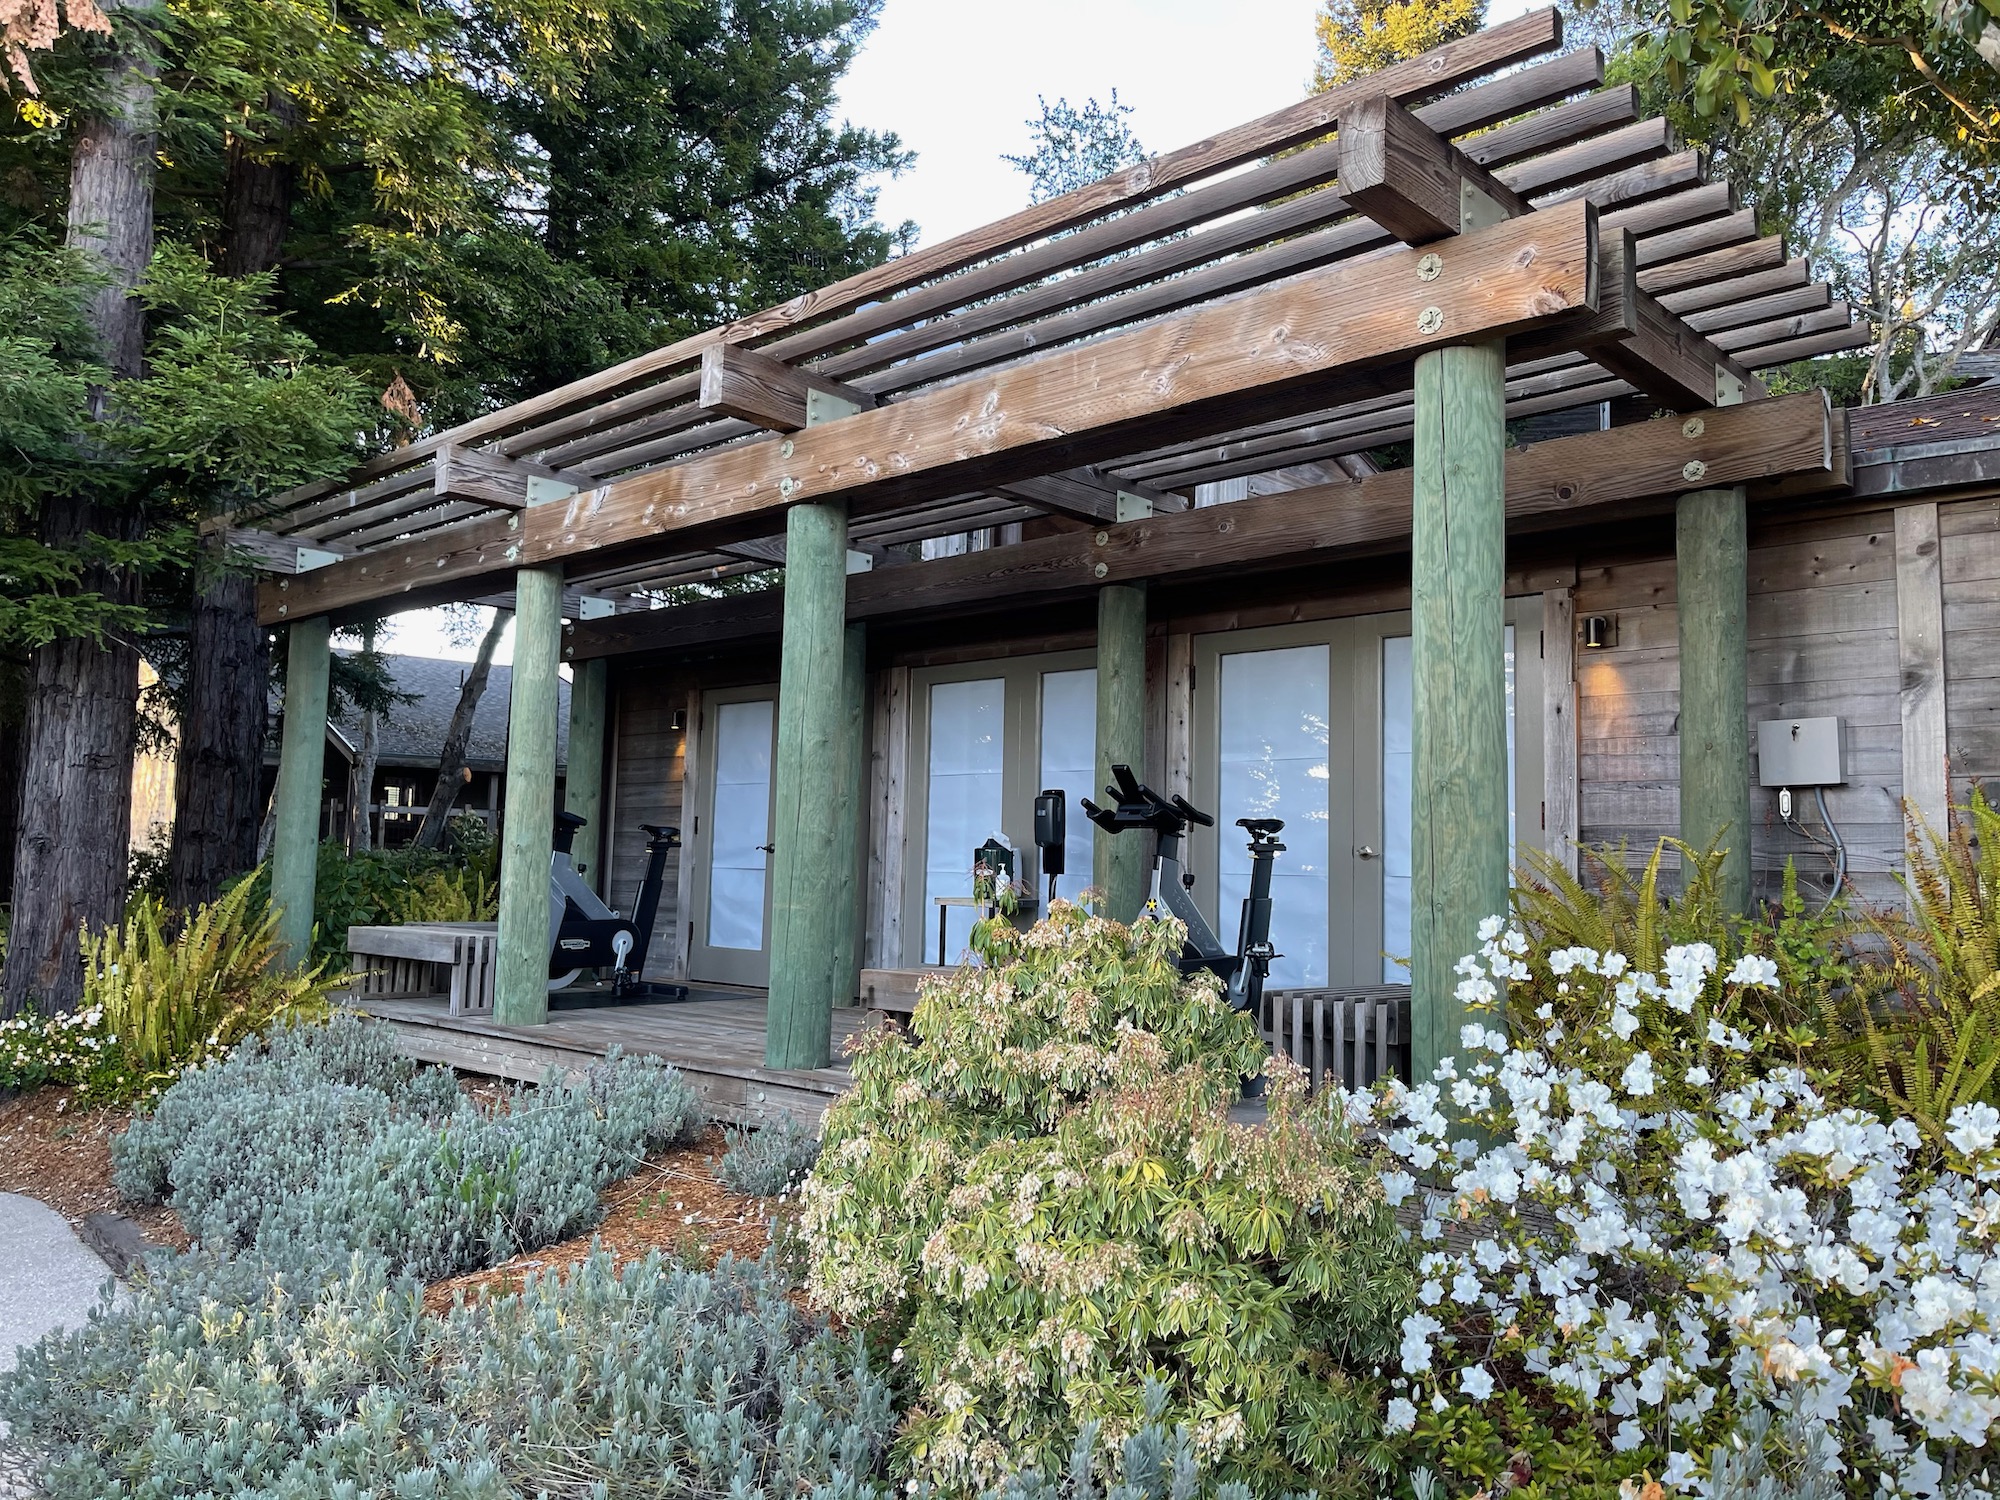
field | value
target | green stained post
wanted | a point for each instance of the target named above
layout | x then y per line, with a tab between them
301	769
1119	863
808	897
583	783
521	977
851	779
1459	852
1712	571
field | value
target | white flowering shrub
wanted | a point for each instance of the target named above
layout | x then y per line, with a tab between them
326	1139
1644	1236
1041	1205
282	1381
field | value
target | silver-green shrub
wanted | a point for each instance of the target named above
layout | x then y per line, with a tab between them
325	1142
769	1161
237	1376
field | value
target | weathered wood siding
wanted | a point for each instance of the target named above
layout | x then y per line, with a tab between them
1969	540
1822	640
647	763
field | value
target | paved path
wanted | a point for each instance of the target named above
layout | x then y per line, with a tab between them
48	1277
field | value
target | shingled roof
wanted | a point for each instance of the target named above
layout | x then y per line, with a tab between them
413	733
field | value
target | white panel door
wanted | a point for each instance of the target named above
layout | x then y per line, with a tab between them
731	915
965	800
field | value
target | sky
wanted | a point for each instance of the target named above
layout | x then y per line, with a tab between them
958	83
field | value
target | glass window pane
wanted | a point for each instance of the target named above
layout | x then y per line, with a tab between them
1274	711
967	733
740	825
1398	762
1069	764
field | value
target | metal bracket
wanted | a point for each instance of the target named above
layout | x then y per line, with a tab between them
315	557
1476	210
859	562
1133	507
595	607
824	406
1728	388
544	491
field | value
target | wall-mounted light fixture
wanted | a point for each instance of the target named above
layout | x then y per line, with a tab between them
679	722
1597	632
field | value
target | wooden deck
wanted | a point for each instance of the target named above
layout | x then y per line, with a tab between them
715	1039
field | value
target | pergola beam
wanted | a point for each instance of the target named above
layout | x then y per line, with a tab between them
1277	349
1794	445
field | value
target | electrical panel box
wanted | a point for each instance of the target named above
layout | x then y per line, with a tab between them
1802	752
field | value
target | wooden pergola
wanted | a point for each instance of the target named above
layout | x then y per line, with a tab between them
1481	233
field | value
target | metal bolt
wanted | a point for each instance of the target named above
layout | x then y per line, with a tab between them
1430	320
1103	570
513	523
1693	427
512	553
1103	537
785	448
785	486
284	609
1430	267
1694	468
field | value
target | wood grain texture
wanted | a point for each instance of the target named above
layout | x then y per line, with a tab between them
1920	644
1272	348
850	816
1459	846
1119	863
889	754
583	774
1405	176
1559	744
1564	479
520	991
1712	552
1178	753
301	768
765	392
807	799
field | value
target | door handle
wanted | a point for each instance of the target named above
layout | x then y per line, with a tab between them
1364	852
768	848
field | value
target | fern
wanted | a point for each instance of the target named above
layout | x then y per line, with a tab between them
172	999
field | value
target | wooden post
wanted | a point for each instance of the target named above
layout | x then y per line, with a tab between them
850	775
1458	653
1712	572
301	768
1920	647
521	982
583	782
1119	863
806	899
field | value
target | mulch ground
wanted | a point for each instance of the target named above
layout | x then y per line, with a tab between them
673	1203
62	1155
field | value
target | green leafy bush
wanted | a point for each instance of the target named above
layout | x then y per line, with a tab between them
1043	1203
221	1375
456	883
325	1140
770	1161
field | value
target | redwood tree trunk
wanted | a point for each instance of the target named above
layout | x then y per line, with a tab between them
73	852
216	808
458	738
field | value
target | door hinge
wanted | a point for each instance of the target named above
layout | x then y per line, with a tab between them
1542	644
1545	817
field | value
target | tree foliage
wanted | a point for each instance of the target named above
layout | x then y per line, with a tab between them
1070	145
1356	37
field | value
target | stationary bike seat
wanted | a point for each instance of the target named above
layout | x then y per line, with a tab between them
660	831
1261	827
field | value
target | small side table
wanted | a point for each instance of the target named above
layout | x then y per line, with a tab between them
1025	908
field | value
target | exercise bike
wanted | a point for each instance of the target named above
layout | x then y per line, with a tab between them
584	933
1137	806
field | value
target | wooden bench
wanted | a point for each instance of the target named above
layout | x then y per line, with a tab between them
455	959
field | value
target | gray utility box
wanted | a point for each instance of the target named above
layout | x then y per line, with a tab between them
1802	752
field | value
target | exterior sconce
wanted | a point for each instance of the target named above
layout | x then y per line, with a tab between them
1597	632
679	722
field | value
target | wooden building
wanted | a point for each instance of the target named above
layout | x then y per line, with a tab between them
1094	484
